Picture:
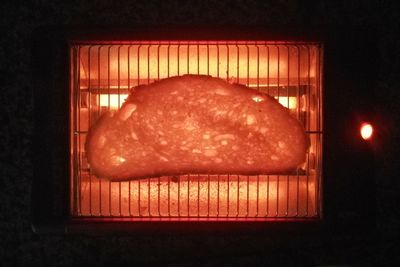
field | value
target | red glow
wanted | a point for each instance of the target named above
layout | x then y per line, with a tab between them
366	131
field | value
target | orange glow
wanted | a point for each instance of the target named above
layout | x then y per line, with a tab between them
112	100
249	64
103	75
201	195
366	131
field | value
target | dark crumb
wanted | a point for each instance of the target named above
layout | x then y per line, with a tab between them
174	178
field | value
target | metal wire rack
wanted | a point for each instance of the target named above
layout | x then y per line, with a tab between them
101	75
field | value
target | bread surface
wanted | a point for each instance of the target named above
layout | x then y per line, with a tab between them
195	124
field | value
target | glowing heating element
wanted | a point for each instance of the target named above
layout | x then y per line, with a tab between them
116	101
102	75
113	101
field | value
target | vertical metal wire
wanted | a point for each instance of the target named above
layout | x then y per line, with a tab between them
89	124
138	64
148	64
208	196
277	177
188	195
139	204
148	179
168	46
198	59
179	178
298	83
217	60
267	207
129	67
317	145
238	196
248	83
73	133
258	68
158	78
268	91
298	117
288	86
258	196
248	200
227	198
119	75
119	105
99	110
108	77
158	62
119	198
258	89
320	131
268	65
319	127
178	57
227	62
75	166
129	87
179	195
237	63
109	103
158	203
248	65
198	195
308	120
218	196
169	197
208	59
169	178
129	199
187	59
138	82
78	104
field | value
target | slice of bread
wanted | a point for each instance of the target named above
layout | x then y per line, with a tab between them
195	124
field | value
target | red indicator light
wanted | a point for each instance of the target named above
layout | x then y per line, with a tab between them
366	131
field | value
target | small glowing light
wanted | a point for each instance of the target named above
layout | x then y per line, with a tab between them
117	160
366	131
104	100
257	98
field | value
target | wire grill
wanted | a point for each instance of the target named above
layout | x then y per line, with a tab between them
101	75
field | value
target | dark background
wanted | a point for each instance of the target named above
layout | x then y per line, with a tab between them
20	246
